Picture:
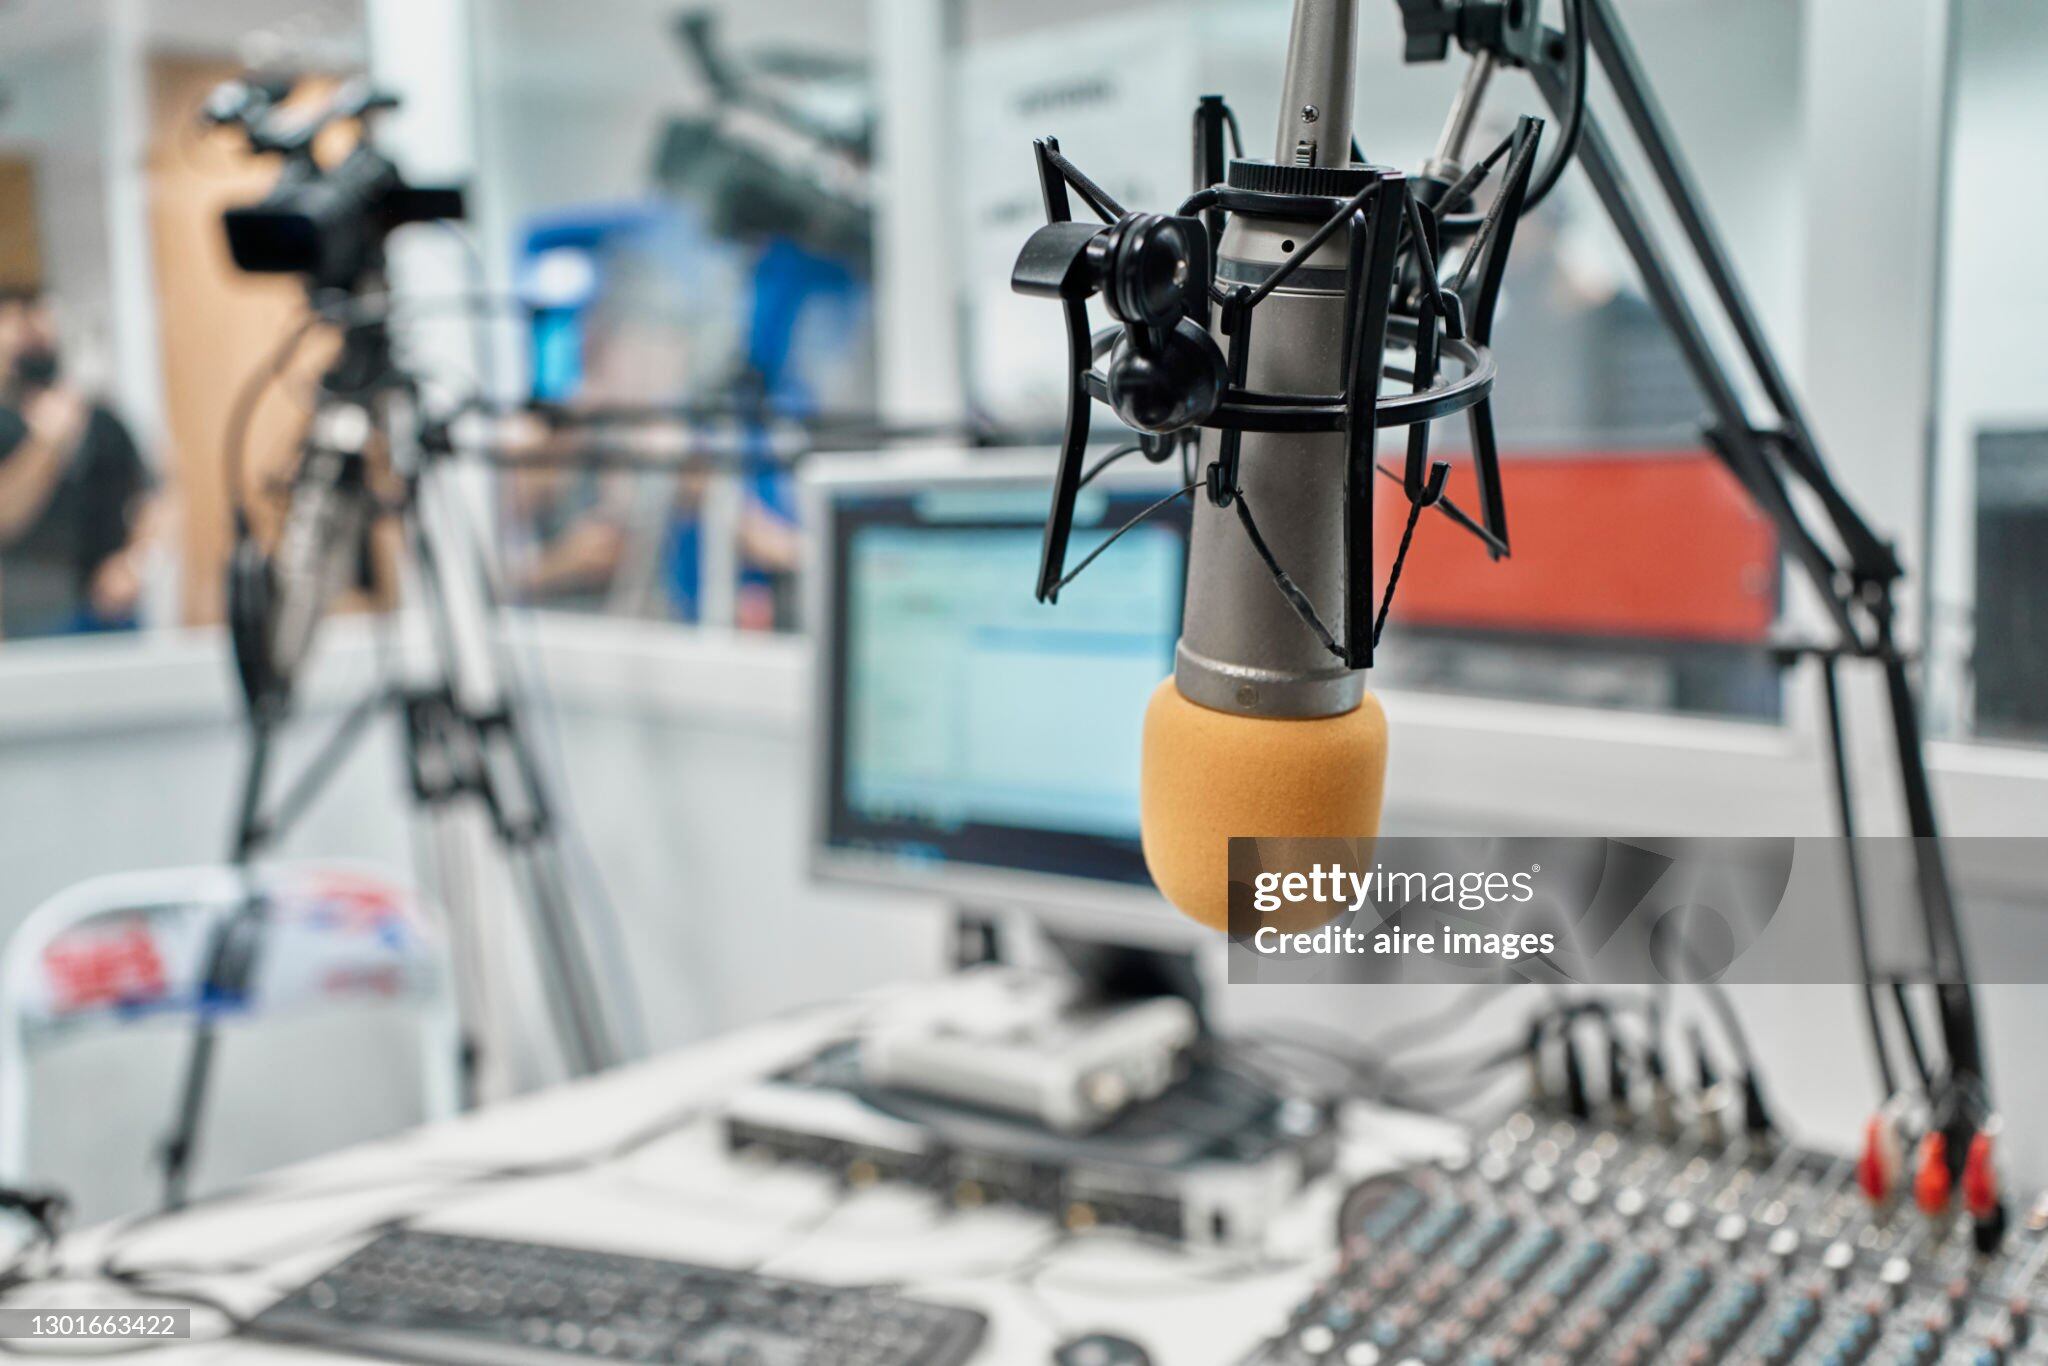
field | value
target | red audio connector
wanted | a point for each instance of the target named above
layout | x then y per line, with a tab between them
1877	1168
1932	1184
1980	1178
1981	1195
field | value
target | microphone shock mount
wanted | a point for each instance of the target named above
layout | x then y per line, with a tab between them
1179	355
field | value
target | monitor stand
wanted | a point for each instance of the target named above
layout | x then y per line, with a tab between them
1106	971
1051	1029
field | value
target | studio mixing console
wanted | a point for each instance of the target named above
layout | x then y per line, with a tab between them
1562	1242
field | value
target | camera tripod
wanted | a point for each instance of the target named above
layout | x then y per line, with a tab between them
465	741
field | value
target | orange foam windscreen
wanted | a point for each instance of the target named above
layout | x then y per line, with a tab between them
1208	775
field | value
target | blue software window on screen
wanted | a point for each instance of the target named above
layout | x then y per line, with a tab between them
968	702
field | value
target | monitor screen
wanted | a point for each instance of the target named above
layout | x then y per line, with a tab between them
970	723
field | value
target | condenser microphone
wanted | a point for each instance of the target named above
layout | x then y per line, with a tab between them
1261	731
1261	314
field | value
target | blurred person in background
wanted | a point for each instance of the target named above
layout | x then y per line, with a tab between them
566	528
659	313
806	350
766	539
74	492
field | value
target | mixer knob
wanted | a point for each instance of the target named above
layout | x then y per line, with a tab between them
1957	1293
2019	1322
1895	1275
1316	1339
1784	1243
1839	1260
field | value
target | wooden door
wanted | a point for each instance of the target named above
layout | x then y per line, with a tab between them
21	244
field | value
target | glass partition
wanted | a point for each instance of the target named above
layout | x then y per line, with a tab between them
681	195
1988	630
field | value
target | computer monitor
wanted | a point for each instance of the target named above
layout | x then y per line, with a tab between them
974	742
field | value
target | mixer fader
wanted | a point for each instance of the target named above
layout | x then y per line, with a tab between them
1558	1242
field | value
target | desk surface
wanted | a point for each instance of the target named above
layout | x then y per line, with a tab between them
593	1178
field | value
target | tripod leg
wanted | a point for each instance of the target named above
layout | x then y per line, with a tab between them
231	961
179	1148
224	946
575	997
441	858
498	767
249	825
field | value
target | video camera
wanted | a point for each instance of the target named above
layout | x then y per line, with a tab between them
327	224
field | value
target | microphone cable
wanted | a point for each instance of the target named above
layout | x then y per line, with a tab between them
1578	43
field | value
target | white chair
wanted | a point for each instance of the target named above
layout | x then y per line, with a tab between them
132	947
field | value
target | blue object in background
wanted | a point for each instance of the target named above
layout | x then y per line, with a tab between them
570	266
806	315
792	288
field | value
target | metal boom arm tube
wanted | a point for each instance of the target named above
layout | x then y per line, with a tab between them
1862	583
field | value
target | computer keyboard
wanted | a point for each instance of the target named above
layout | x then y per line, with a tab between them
443	1298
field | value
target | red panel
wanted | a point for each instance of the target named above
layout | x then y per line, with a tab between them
1663	545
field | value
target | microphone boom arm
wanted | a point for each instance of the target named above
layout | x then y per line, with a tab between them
1856	580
